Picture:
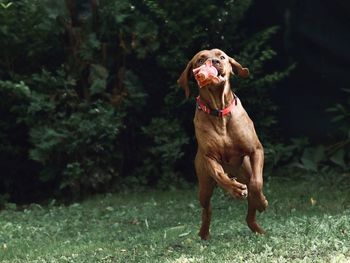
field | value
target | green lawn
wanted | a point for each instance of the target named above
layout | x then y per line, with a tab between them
305	222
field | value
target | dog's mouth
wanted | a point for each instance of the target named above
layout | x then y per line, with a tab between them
209	74
221	72
221	75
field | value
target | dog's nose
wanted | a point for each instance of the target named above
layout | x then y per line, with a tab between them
215	61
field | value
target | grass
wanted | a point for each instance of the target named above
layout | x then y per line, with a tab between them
306	222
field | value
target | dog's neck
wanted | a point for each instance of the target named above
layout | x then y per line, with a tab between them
217	97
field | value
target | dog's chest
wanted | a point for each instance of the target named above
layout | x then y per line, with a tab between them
228	138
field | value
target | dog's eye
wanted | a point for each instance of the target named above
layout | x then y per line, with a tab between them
222	57
200	61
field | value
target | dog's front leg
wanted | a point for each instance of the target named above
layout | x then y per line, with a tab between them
232	186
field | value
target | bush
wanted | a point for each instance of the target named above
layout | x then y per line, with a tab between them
329	162
74	140
16	169
90	88
163	152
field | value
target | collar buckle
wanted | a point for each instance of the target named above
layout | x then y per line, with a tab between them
216	112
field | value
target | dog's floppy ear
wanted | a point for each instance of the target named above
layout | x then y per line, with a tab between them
183	79
236	67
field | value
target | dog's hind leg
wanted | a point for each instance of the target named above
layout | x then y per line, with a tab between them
206	187
244	176
251	219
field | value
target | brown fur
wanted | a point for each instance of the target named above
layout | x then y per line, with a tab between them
229	152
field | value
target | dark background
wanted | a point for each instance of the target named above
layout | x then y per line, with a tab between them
315	35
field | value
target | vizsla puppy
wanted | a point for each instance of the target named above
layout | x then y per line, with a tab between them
229	152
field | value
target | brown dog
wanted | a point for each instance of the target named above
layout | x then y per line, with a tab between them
229	152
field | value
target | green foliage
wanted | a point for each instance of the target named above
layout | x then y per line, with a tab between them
73	130
75	141
91	88
161	157
341	116
26	29
300	158
137	33
14	167
257	89
324	161
280	155
332	160
80	147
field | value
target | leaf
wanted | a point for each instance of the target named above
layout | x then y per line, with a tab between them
313	201
146	223
5	6
98	78
309	164
338	158
319	153
308	160
312	157
337	118
185	234
120	18
332	109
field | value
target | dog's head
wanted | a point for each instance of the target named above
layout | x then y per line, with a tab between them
224	64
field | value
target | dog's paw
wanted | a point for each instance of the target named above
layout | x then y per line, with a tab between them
239	190
258	200
204	234
254	226
263	205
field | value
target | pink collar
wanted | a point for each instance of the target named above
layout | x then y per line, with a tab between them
216	112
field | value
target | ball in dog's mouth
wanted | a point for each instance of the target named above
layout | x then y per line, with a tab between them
207	74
